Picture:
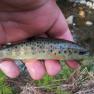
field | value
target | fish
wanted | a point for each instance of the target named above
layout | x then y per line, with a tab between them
44	49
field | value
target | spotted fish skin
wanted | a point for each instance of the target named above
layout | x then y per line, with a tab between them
43	48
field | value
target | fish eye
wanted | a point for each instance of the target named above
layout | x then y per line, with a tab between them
83	52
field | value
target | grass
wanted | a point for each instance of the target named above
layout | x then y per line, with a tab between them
4	87
47	84
56	84
59	84
52	84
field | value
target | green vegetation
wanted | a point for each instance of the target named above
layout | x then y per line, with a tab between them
52	84
4	88
55	84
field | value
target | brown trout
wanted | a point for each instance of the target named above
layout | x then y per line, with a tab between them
44	48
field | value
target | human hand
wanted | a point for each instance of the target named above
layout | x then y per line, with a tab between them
23	19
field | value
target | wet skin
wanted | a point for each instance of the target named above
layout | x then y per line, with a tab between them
21	19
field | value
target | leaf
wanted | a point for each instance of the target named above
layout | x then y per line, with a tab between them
90	67
7	90
2	77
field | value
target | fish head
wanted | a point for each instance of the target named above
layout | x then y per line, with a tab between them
75	51
78	49
83	52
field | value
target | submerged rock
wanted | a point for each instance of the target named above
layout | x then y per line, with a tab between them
70	19
89	23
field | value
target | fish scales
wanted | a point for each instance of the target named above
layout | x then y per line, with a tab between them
43	48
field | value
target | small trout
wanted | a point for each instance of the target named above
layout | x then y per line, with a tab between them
44	48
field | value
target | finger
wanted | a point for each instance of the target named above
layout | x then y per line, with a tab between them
9	68
60	30
72	64
52	67
36	69
17	5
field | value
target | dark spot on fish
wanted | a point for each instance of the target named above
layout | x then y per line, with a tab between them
59	52
22	45
16	47
75	51
8	49
26	44
65	51
51	46
43	51
32	48
51	50
37	42
70	51
61	48
33	52
55	53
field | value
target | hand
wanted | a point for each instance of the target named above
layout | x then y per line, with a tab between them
21	19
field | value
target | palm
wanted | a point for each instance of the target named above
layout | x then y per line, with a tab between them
27	23
20	23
